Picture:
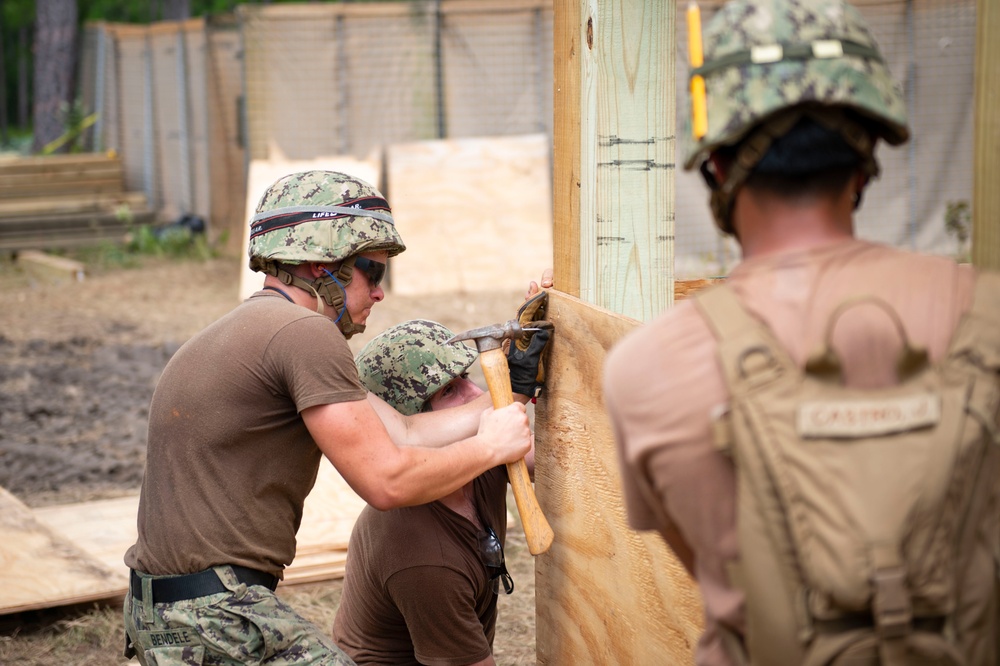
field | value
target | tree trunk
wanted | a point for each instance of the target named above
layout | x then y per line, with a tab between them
55	65
3	90
23	83
176	10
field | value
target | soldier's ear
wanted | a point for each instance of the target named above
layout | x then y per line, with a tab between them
719	166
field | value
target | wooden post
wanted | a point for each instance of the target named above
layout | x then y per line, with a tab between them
567	42
986	172
605	593
614	153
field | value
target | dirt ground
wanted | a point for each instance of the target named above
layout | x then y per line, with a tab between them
78	364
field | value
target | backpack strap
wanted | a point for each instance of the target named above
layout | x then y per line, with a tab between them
749	354
750	358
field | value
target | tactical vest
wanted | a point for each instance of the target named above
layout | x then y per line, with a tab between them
868	520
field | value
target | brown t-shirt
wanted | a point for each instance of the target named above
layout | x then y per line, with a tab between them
416	589
229	460
662	382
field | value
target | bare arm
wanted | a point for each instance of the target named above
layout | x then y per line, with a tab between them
431	429
434	429
387	476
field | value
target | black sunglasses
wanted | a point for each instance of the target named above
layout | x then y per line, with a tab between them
492	552
375	270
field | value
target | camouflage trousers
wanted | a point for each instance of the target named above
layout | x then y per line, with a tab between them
243	625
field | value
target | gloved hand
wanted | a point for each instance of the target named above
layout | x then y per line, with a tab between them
526	356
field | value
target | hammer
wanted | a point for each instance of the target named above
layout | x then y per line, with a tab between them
489	341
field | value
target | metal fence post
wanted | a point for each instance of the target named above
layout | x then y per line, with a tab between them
148	133
183	82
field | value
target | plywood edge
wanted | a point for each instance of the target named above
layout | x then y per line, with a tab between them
40	568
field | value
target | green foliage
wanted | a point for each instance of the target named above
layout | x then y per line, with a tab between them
149	242
958	224
76	120
16	14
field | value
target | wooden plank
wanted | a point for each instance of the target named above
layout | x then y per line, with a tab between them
50	267
64	221
72	203
37	187
986	152
475	214
72	238
40	568
604	594
569	38
13	164
103	528
14	174
626	138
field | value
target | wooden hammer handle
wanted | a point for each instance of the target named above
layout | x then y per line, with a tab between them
537	531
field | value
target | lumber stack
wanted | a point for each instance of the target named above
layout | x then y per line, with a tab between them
64	201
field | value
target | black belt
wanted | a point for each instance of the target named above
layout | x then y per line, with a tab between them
203	583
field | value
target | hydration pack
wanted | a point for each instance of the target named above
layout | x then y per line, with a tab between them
868	519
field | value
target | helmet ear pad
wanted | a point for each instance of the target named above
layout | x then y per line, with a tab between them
328	287
332	288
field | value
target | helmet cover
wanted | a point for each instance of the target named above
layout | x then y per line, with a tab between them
408	363
320	216
765	56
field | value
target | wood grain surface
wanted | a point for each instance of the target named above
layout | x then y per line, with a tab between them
605	594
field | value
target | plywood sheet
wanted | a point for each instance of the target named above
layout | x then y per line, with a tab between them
604	593
103	528
41	568
50	546
263	173
475	214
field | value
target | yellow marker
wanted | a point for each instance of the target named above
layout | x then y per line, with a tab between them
699	113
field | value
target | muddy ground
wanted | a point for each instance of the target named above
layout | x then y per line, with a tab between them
78	364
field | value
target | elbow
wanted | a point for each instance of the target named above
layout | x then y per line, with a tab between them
389	495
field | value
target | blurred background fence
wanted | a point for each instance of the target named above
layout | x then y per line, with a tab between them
187	105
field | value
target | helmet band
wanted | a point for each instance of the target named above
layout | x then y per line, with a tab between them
822	49
281	218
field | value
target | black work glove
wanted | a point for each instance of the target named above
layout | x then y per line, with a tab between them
526	356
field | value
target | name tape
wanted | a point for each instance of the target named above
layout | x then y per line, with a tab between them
867	418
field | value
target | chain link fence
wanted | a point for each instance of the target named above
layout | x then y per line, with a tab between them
187	104
348	79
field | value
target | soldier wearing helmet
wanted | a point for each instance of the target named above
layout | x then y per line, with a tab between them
798	98
245	410
422	582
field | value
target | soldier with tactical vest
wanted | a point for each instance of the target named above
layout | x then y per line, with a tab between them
422	582
245	410
816	438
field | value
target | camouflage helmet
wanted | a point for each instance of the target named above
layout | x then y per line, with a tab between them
320	216
764	56
408	363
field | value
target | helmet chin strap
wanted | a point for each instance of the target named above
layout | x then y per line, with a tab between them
338	299
331	291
